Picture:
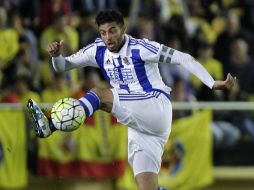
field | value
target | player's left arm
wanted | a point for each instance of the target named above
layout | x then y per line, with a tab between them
192	65
158	53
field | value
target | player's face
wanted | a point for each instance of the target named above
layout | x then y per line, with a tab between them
113	35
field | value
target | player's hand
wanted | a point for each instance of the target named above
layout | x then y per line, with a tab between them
54	48
227	84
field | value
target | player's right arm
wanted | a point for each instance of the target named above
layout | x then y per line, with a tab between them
84	57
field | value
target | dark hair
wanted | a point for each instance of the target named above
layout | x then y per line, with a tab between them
109	16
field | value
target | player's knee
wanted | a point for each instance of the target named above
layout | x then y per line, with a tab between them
98	92
106	98
103	94
145	187
147	181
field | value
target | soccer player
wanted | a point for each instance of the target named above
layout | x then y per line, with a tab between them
138	97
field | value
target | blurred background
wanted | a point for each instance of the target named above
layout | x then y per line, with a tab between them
209	148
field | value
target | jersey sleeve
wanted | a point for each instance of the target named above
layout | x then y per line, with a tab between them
84	57
193	66
149	50
155	52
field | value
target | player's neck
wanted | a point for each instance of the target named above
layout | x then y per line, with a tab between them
121	45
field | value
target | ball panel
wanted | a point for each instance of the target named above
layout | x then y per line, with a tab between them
67	114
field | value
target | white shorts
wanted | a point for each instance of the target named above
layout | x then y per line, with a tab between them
148	117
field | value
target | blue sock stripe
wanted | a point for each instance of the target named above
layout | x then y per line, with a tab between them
95	96
90	102
95	102
85	107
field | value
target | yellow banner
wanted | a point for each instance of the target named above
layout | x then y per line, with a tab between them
13	150
98	140
187	160
98	149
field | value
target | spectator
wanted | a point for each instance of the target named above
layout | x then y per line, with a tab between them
26	36
29	12
25	67
146	28
57	90
91	79
8	47
214	67
242	66
181	94
233	31
24	91
59	30
49	9
93	6
87	29
176	27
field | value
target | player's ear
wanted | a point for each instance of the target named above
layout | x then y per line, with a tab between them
123	29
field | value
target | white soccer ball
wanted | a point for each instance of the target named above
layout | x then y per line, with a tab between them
67	114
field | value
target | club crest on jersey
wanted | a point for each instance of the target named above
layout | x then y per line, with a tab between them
126	61
108	62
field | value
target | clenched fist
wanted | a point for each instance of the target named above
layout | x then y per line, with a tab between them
227	84
54	48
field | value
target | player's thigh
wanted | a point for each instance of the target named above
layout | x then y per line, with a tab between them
106	98
153	116
147	181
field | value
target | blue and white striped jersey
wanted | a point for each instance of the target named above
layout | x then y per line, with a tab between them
133	68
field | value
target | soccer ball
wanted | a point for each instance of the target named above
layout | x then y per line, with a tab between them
67	114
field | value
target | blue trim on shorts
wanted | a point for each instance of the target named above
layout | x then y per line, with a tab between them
154	93
161	91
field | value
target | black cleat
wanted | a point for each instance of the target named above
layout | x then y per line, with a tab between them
42	126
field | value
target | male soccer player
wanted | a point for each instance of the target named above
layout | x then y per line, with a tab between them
138	97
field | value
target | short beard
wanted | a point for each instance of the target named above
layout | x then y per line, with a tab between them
120	46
